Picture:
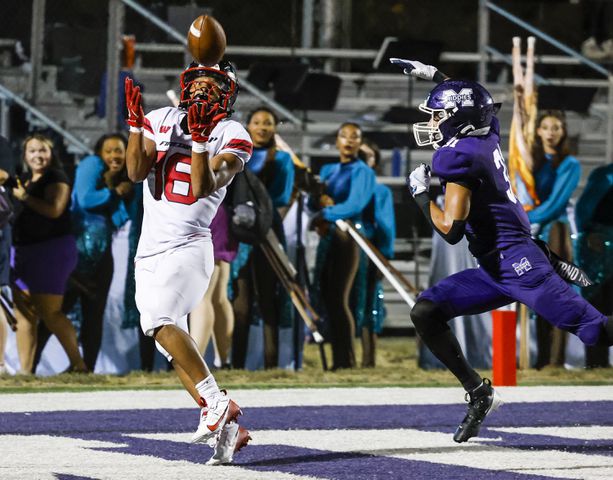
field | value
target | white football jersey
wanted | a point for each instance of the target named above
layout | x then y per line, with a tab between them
172	215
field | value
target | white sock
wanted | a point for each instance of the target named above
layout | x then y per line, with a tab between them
208	389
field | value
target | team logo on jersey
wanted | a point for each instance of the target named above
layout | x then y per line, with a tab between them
464	97
164	128
522	266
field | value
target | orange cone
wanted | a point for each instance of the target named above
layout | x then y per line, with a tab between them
504	348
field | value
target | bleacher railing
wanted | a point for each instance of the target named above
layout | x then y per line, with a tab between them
485	51
486	55
181	38
7	95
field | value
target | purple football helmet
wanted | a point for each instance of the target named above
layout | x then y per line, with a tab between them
457	107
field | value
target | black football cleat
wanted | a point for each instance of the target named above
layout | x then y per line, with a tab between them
481	401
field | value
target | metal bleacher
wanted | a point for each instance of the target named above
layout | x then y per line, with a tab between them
364	98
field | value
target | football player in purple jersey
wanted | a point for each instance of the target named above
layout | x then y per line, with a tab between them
479	203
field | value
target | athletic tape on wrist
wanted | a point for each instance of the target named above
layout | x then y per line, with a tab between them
198	147
136	129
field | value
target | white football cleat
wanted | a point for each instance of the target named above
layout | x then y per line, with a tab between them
214	417
231	439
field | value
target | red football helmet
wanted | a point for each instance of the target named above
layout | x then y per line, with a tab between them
225	85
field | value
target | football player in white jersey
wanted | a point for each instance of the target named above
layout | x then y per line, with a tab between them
187	155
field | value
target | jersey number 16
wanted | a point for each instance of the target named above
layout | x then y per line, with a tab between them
173	177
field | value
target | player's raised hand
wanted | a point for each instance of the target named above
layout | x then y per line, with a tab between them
136	116
419	70
419	180
202	119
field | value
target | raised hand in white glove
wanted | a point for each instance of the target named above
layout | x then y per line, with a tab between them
419	180
415	68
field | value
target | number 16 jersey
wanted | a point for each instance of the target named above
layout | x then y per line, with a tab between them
173	216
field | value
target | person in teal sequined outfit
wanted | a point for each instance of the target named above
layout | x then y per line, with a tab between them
380	228
556	174
350	185
103	200
594	247
265	297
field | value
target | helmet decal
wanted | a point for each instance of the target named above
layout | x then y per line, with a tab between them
450	98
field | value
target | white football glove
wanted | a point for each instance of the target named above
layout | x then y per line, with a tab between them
415	68
419	180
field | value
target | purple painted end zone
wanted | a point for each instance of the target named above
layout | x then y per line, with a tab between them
112	425
303	461
424	417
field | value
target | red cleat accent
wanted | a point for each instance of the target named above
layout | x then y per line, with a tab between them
234	412
243	439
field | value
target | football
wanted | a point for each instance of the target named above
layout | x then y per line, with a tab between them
206	40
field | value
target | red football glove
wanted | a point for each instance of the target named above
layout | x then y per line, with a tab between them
202	119
136	116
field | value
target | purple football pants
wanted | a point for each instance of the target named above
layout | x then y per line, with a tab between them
520	272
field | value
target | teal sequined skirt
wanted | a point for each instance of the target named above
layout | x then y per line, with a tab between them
366	298
594	253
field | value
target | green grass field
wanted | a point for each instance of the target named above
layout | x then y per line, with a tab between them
396	366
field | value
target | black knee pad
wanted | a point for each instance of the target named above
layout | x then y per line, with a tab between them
429	319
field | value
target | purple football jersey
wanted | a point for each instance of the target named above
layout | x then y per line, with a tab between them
496	219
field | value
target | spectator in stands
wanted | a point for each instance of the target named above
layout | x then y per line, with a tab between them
214	314
44	253
599	28
350	185
556	174
5	289
128	57
380	228
7	171
276	171
595	249
103	200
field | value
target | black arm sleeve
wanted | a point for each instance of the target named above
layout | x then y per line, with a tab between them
439	77
455	233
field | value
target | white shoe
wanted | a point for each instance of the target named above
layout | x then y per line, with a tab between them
214	417
607	48
231	439
592	50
